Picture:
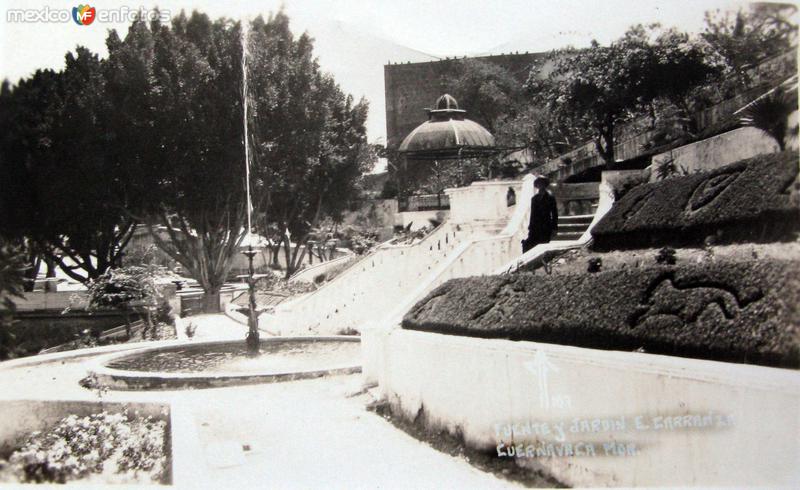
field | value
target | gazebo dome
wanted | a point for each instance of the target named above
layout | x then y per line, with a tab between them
447	134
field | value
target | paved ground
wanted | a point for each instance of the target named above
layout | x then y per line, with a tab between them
212	327
303	434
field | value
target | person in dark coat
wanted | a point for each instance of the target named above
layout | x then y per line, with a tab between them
544	216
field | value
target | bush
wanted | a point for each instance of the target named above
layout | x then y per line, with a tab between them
734	311
594	265
666	256
749	200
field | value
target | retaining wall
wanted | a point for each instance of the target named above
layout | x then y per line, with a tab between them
647	420
715	152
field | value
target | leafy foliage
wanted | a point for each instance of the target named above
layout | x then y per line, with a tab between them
132	287
12	277
308	137
770	114
70	212
155	134
745	38
487	90
593	90
109	444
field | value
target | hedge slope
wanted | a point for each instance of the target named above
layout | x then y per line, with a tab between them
750	200
734	311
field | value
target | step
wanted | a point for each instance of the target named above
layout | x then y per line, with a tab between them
572	226
579	218
568	235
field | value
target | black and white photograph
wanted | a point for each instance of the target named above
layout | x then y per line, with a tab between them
399	244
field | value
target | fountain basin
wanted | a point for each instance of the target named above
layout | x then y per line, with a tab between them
214	364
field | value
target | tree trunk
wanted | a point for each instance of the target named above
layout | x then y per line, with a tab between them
275	250
150	325
604	143
211	300
32	272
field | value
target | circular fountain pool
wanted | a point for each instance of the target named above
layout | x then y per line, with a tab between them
225	363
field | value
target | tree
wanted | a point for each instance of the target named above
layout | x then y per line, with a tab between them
594	88
64	199
84	194
183	138
589	92
542	131
308	139
678	69
488	91
748	37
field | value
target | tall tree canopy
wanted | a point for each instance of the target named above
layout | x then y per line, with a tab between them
62	195
749	36
595	89
155	134
308	138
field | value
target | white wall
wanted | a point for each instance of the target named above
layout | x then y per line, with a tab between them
470	385
481	201
718	151
480	254
420	219
310	272
366	289
41	300
394	277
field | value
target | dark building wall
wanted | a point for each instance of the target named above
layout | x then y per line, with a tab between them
412	87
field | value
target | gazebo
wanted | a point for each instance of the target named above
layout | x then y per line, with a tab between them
447	135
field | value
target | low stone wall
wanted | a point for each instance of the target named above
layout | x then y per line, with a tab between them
648	420
56	301
482	201
469	256
716	152
420	219
310	273
366	289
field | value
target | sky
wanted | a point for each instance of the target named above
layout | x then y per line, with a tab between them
355	38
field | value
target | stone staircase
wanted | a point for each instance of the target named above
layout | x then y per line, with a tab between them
572	227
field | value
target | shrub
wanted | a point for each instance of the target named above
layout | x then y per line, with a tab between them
749	200
190	330
666	256
734	311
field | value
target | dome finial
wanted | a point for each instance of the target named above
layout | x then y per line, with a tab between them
446	102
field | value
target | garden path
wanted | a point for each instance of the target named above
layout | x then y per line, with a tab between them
305	434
